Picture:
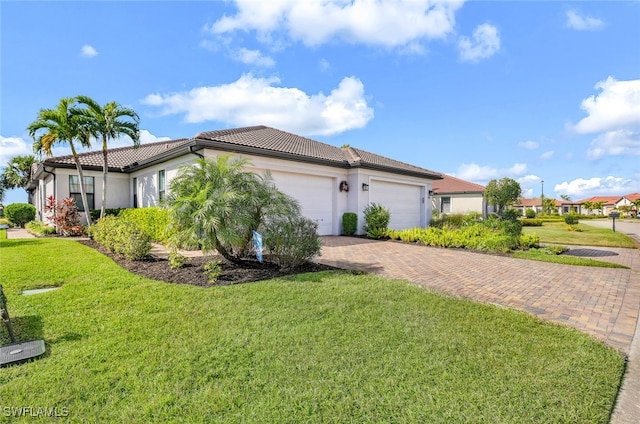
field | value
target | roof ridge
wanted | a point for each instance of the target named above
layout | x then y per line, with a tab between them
351	155
118	149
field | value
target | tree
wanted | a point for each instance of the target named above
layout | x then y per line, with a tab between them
565	197
549	204
216	204
502	193
18	172
598	205
59	126
588	205
636	203
106	123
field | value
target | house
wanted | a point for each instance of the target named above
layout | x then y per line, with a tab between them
326	180
609	203
453	195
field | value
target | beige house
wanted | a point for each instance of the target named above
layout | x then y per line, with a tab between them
453	195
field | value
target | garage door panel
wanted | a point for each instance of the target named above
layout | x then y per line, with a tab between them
314	194
404	202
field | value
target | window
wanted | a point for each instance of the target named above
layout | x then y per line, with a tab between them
74	191
161	182
135	192
445	204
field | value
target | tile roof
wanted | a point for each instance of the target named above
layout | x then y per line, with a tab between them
258	140
449	184
608	200
632	197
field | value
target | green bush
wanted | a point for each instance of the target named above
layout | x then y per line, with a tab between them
38	228
291	241
122	237
529	241
95	213
176	260
349	223
571	219
531	222
376	219
213	269
20	213
530	213
154	222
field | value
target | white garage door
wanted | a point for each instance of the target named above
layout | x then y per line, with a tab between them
404	201
315	195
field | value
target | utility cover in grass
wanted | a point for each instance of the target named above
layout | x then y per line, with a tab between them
16	353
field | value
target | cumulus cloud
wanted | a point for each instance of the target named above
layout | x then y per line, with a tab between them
88	51
529	145
252	57
259	101
11	147
615	143
547	155
484	43
385	22
482	174
581	187
617	106
583	23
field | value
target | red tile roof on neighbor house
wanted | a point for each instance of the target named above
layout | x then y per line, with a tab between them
536	201
449	184
632	197
607	200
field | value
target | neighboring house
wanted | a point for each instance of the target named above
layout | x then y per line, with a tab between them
609	204
561	206
326	180
453	195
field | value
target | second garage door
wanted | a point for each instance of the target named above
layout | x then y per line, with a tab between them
404	201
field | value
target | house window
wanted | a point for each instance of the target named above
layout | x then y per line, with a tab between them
161	184
74	191
135	192
445	204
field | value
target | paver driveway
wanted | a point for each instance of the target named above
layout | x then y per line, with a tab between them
603	302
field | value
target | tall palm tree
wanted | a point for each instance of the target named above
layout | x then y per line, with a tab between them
18	171
106	123
58	126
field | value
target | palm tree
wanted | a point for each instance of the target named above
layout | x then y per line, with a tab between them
18	171
588	205
105	123
58	126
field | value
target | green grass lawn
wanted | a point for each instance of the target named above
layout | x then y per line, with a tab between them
557	233
316	348
539	255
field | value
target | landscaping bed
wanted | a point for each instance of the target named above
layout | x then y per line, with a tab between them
192	272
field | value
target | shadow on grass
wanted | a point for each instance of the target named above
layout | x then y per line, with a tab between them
18	242
28	327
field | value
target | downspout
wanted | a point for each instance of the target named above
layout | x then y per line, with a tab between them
195	153
44	201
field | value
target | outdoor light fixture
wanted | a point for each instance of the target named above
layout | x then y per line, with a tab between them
430	193
365	187
344	186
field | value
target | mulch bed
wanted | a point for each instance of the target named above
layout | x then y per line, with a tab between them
192	272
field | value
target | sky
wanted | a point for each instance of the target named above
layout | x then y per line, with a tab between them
544	92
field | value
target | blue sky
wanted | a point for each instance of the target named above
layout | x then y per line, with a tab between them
480	90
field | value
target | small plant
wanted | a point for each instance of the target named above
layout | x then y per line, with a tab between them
20	213
529	241
554	250
571	219
530	213
376	219
176	260
574	228
213	269
39	228
349	223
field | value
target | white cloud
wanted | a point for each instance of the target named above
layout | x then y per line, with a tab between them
485	43
581	188
88	51
258	101
583	23
615	143
253	57
530	184
483	174
616	107
11	147
384	22
547	155
324	65
529	145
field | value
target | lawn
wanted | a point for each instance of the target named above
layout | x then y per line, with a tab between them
557	233
319	347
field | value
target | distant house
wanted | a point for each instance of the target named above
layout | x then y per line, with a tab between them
326	180
561	206
609	203
453	195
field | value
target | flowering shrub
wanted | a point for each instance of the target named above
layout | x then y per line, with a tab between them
64	216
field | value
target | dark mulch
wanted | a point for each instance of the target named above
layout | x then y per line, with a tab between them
192	272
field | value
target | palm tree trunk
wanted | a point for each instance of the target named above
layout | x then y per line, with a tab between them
104	176
83	195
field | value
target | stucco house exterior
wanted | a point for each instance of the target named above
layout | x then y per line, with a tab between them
453	195
326	180
610	203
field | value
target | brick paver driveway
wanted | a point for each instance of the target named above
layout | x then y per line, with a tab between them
603	302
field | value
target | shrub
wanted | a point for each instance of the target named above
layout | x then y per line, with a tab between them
95	213
349	223
20	213
291	241
176	260
39	228
530	213
529	241
122	237
376	219
571	219
531	222
213	269
510	214
154	222
64	216
574	228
